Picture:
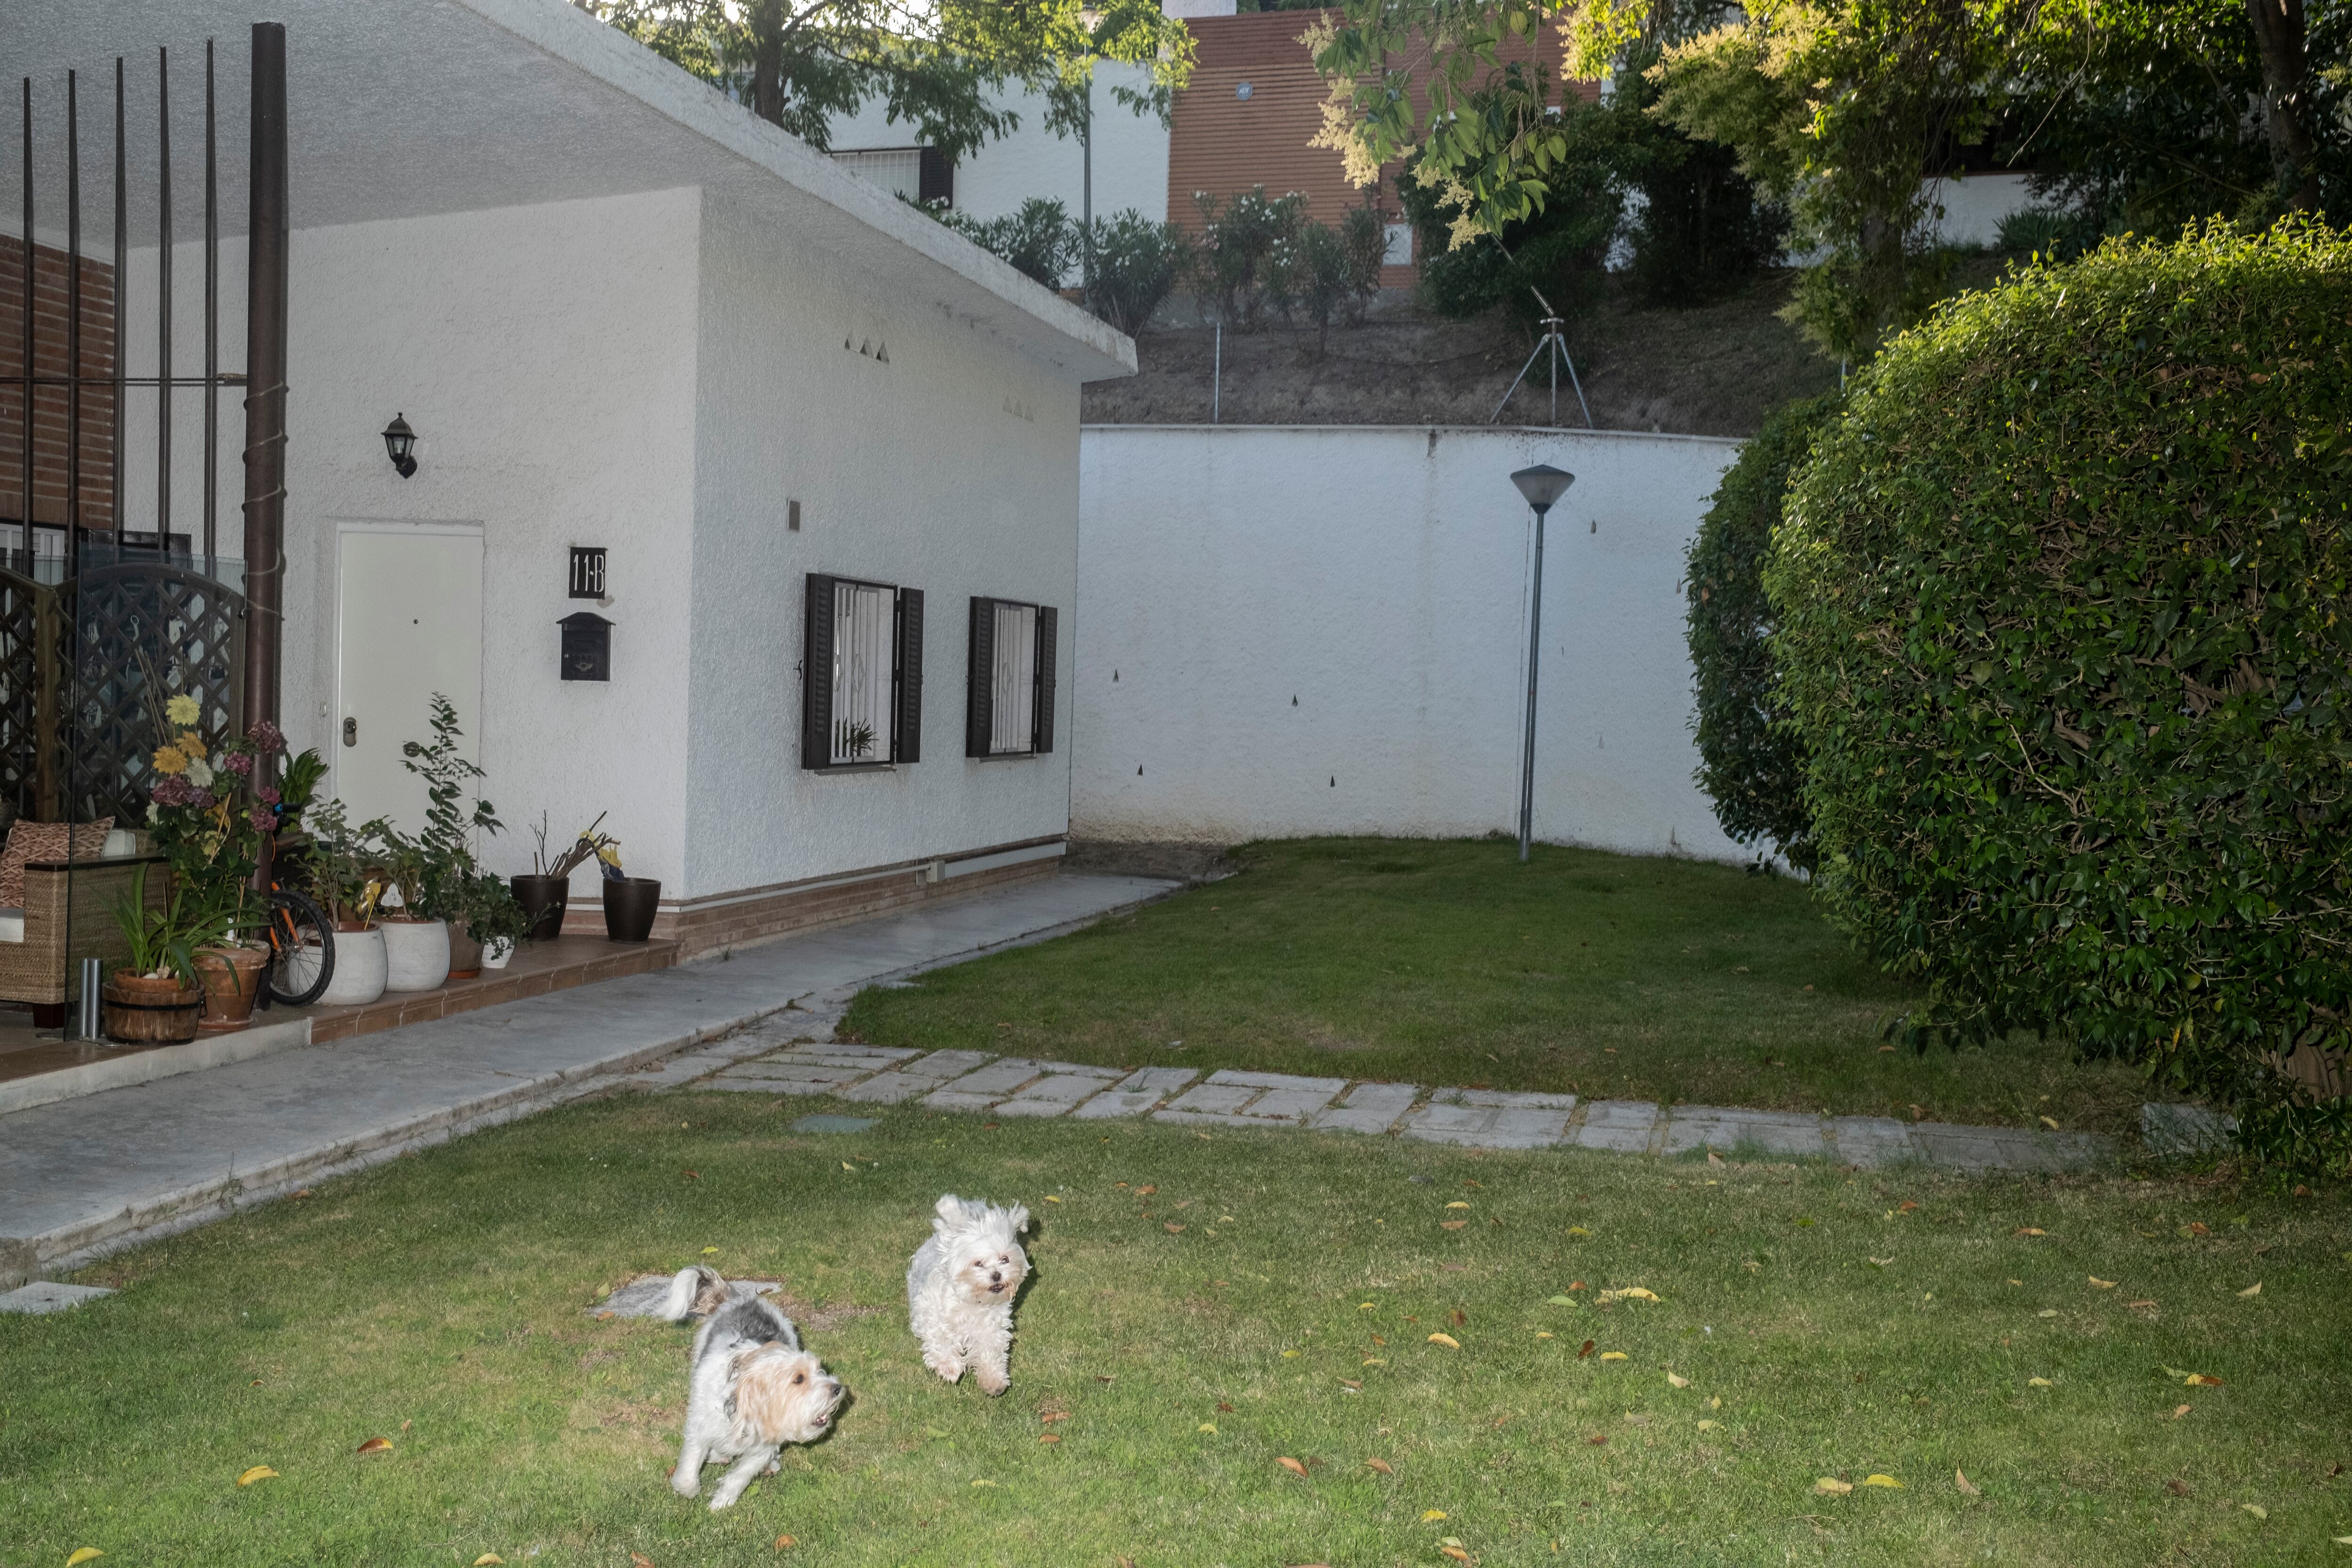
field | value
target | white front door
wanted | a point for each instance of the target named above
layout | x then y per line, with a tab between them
409	619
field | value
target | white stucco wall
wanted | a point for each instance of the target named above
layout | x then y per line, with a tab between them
1131	156
1974	204
546	357
1320	630
953	468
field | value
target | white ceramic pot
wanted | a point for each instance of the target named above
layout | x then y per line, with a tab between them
497	951
415	954
359	972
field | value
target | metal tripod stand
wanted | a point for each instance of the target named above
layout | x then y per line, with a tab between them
1556	346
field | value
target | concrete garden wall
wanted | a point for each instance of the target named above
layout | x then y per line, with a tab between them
1320	630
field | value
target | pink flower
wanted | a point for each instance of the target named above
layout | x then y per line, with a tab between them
264	820
239	763
201	799
175	791
266	795
266	736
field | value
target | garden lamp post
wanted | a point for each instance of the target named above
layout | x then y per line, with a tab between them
1542	485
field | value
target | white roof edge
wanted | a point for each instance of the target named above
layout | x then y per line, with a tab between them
1544	430
565	33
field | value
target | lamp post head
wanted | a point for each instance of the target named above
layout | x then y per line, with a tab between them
1542	485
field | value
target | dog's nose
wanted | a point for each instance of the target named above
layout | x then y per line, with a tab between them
995	1277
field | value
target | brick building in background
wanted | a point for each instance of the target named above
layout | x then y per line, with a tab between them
52	289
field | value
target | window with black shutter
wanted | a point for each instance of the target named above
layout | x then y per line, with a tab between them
861	674
1008	690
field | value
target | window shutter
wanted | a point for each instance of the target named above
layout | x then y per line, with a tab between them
934	177
979	698
1045	629
907	743
816	674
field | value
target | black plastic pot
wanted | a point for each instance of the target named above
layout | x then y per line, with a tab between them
543	899
630	903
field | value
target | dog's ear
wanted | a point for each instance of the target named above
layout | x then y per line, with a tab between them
950	1210
1019	1218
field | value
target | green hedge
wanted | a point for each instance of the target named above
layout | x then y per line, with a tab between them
2064	630
1751	765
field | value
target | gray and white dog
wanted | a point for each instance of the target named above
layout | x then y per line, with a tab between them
752	1389
960	1288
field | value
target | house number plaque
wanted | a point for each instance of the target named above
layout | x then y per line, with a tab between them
587	571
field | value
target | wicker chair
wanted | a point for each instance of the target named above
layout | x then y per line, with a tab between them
70	916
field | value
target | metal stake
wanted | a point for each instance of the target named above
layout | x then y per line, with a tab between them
1535	648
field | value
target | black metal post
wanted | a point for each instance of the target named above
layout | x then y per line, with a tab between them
122	387
1535	648
163	303
73	315
26	512
212	321
265	375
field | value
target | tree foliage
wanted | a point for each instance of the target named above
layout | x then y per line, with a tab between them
945	67
2063	626
1751	763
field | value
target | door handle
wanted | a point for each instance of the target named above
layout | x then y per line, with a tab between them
351	732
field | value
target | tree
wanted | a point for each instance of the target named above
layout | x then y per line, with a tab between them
944	66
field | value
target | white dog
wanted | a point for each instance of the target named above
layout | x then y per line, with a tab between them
753	1388
960	1286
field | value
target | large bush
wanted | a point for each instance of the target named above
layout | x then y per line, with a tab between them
1751	763
2064	630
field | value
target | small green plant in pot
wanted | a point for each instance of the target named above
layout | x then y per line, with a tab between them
157	996
494	918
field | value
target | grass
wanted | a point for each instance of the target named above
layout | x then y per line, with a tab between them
438	1302
1447	963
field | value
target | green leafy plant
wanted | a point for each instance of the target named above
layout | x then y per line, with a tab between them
163	942
341	865
2062	628
488	907
430	867
1239	270
1039	241
1136	265
297	788
1751	762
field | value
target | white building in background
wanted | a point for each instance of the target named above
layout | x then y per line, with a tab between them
827	449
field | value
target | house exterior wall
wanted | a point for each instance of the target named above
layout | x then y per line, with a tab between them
952	468
545	355
1321	631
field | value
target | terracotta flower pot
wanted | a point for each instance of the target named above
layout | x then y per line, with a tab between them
630	904
543	899
465	952
141	1011
232	977
415	954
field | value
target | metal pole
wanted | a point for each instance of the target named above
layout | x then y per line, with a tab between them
26	343
73	316
1086	191
265	375
1535	648
212	322
164	304
1217	374
115	414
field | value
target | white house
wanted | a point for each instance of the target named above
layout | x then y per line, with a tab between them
828	448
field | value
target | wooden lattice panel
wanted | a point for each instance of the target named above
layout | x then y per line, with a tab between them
19	689
140	634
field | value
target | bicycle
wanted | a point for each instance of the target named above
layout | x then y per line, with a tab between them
301	946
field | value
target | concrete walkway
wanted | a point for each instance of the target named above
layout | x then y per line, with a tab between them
84	1176
980	1084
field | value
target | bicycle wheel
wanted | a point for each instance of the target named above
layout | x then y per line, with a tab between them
301	949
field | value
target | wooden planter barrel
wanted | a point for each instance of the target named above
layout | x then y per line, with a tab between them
143	1012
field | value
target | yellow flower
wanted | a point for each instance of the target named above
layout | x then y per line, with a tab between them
194	744
183	709
171	759
610	855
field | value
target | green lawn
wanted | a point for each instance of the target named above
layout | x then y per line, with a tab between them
1448	962
1824	1326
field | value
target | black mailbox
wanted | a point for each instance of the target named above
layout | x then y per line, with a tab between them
587	646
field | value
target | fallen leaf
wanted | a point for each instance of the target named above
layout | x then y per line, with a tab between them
1374	1361
376	1445
1432	1516
1578	1230
2051	1123
1457	1203
2029	1230
83	1554
1830	1486
785	1543
1906	1206
1052	1199
1631	1293
1880	1262
1050	1417
1049	1438
1448	1340
1353	1385
1543	1334
1293	1466
2102	1284
1205	1427
2253	1289
708	1250
1586	1351
2178	1411
2201	1380
1145	1192
2140	1303
1576	1284
697	1176
632	1554
2039	1383
2047	1312
1456	1553
1968	1487
1710	1425
1380	1465
1560	1300
2177	1486
1461	1319
1882	1481
1172	1229
489	1558
1452	1224
258	1473
1599	1439
1613	1355
2257	1510
2195	1228
1678	1381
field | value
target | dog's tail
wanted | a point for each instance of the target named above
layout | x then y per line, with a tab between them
684	1287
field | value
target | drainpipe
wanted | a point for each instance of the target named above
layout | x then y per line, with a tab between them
265	372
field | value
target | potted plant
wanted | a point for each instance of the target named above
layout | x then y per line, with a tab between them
156	999
214	805
630	902
344	880
545	891
494	918
433	869
415	938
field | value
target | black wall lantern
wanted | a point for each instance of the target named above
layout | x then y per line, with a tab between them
587	646
401	442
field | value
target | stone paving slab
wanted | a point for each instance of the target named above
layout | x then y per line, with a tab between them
1506	1099
2172	1132
47	1296
1136	1093
1212	1098
2002	1148
1371	1108
1001	1078
1059	1093
1488	1126
784	1078
1872	1140
1713	1127
890	1088
1325	1086
1622	1126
